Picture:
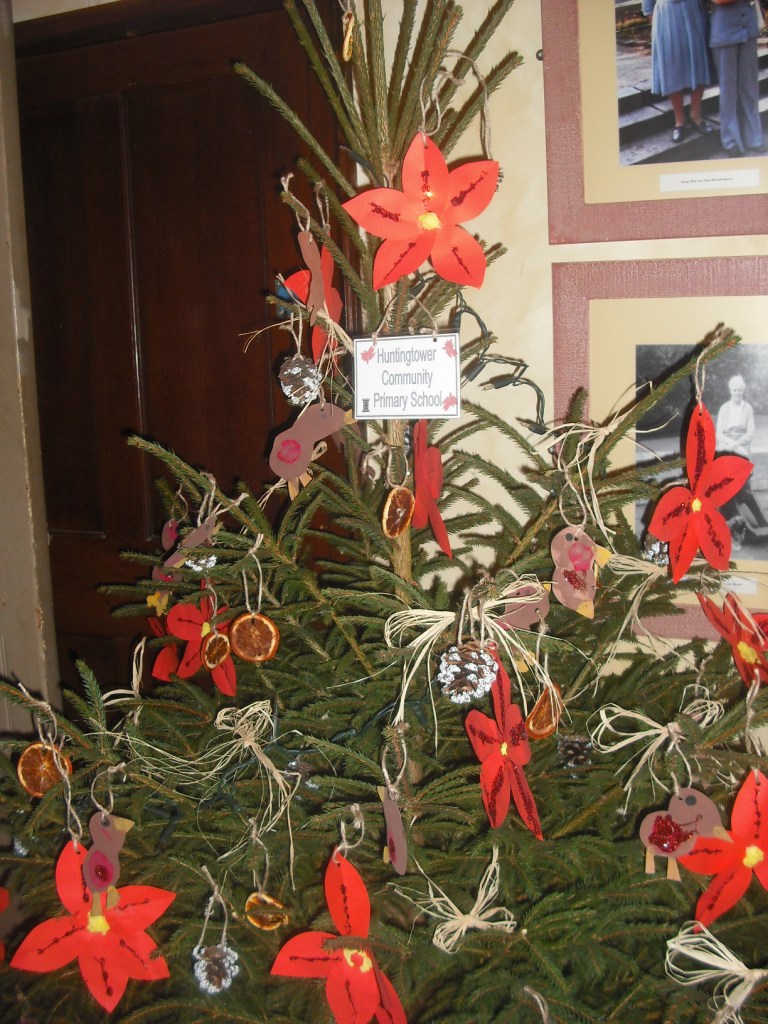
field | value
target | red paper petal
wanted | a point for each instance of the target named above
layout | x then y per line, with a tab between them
699	443
711	855
51	944
425	176
397	257
458	257
672	514
70	884
391	1009
298	283
749	818
439	529
432	471
516	736
713	536
501	694
386	213
185	621
722	479
722	893
105	977
347	897
166	663
5	899
721	620
682	551
471	187
305	956
190	660
225	677
133	953
483	734
523	797
495	785
139	906
157	626
352	993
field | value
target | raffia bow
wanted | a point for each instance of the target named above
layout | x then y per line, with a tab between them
734	981
482	917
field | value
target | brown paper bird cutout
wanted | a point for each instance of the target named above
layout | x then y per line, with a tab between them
574	581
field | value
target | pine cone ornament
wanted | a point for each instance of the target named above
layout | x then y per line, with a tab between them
467	672
574	751
300	380
215	967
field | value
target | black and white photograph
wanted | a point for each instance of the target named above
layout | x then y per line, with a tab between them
692	80
736	395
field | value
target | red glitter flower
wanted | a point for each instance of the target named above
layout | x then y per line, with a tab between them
423	220
355	987
687	517
503	748
747	634
735	858
193	624
111	945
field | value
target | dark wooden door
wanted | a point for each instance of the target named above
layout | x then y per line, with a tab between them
151	174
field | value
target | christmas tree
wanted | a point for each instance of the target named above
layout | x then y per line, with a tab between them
399	723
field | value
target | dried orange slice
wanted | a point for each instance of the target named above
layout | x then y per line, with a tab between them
254	637
545	713
398	510
214	649
37	769
265	912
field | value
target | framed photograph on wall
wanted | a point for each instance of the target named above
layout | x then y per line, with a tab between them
613	169
619	325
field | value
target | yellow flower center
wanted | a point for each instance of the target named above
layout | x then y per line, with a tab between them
747	653
696	505
754	856
98	924
358	959
503	749
429	221
205	629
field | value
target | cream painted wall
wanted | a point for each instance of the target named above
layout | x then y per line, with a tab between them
26	10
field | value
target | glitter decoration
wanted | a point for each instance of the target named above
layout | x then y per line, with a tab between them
656	551
215	968
300	380
466	672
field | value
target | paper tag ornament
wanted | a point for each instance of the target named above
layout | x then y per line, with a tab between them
574	581
355	986
111	948
422	222
673	834
408	377
396	850
687	518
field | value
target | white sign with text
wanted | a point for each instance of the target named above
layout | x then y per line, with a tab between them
407	377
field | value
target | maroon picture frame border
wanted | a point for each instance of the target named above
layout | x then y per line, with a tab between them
573	220
575	285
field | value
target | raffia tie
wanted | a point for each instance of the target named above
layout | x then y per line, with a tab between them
455	925
651	739
711	961
358	824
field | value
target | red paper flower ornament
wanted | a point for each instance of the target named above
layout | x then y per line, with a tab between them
734	860
356	989
423	220
111	946
193	624
428	483
746	632
503	748
687	517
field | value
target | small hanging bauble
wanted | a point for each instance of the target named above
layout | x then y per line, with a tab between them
265	912
254	637
215	967
467	672
38	770
398	510
574	751
214	649
300	380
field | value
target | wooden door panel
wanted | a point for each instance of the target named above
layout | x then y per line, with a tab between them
151	177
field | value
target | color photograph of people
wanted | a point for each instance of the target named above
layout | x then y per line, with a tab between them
692	79
735	392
